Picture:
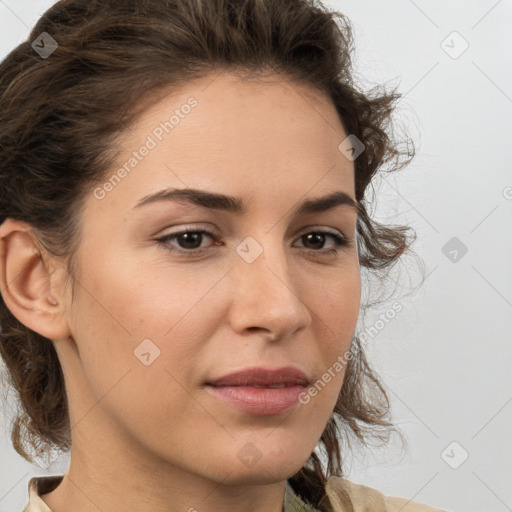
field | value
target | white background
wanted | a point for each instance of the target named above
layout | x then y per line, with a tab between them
445	358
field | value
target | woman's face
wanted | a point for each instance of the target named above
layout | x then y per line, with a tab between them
255	284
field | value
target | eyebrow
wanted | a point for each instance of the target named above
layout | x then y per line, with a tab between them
216	201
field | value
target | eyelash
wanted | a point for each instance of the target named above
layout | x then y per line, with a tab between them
340	241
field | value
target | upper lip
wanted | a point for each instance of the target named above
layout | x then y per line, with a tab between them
263	377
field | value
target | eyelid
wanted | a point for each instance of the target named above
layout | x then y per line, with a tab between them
314	227
215	232
185	228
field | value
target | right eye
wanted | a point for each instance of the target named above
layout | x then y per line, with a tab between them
190	238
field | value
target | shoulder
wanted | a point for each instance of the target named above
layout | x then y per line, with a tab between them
361	498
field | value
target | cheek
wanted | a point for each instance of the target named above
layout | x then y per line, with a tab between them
141	327
138	374
130	302
337	305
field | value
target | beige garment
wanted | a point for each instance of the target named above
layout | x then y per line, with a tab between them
367	499
345	496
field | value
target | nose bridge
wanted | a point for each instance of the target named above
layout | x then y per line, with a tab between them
267	295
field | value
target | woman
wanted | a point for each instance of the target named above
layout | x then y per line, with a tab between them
183	231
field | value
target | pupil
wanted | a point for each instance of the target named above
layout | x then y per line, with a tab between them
317	238
191	240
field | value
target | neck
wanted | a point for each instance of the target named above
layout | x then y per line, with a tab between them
113	473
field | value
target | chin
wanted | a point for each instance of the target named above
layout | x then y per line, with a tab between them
264	475
270	468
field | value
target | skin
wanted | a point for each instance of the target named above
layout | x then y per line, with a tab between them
152	435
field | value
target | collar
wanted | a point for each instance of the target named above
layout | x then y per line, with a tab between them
293	503
38	486
43	484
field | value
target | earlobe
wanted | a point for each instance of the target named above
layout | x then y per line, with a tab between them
26	284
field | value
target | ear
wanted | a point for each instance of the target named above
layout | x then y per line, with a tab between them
29	287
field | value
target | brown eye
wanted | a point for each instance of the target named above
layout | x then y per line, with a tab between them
187	241
315	240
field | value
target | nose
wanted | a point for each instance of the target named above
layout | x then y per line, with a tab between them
267	296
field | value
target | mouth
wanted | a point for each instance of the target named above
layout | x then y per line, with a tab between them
260	391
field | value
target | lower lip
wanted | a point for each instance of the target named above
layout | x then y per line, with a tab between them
262	401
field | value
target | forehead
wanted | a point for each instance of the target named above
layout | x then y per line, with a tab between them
225	101
224	132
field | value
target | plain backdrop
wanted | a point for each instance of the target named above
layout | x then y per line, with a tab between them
445	357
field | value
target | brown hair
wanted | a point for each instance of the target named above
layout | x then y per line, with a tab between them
61	115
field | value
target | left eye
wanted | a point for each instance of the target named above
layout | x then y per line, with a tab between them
318	237
190	241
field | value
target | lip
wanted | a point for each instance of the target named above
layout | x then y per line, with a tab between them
261	391
263	377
